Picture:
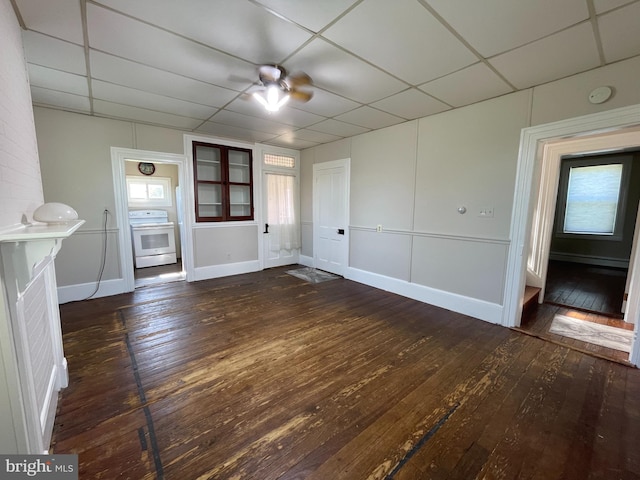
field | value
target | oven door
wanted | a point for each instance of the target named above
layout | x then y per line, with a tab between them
153	240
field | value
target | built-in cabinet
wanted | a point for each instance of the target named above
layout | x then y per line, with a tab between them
223	183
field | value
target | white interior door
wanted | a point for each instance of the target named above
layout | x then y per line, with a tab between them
281	230
330	219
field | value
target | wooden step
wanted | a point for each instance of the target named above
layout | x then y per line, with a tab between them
530	296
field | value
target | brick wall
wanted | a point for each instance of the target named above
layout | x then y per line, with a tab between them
20	180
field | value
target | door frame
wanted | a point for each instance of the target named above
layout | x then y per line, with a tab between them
346	163
530	161
260	191
118	158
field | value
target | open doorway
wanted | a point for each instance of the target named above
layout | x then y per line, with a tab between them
155	218
593	232
543	148
151	202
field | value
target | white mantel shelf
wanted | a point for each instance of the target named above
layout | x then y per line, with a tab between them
41	231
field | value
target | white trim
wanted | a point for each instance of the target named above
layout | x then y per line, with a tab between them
225	270
487	311
530	154
259	191
118	157
589	260
306	261
80	291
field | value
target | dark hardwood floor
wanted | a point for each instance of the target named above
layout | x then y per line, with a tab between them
584	287
264	376
586	292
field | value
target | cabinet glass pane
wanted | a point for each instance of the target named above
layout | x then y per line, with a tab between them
208	171
239	164
208	163
209	200
239	173
240	200
209	210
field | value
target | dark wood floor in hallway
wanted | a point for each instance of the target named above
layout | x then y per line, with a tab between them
264	376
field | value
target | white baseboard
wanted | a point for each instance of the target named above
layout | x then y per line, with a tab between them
590	260
306	261
72	293
225	270
480	309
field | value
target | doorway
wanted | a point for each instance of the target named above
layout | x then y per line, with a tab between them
151	181
534	202
594	232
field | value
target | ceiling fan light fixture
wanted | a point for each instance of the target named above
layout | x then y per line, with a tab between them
273	98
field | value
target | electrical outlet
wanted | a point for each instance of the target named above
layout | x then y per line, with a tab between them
486	212
379	228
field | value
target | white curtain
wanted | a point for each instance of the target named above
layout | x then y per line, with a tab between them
281	215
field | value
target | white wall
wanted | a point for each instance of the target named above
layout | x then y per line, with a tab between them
20	194
412	178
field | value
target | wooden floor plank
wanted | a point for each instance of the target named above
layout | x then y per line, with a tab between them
264	376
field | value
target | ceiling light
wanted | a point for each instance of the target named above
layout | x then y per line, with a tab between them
272	98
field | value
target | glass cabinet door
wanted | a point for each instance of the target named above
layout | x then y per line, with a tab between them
223	183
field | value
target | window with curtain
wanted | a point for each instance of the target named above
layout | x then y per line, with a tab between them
281	212
591	197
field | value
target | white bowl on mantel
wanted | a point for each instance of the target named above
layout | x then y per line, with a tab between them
55	213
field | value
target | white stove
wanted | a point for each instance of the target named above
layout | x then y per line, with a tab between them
153	237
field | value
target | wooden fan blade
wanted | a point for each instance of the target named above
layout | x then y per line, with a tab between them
271	73
298	80
300	95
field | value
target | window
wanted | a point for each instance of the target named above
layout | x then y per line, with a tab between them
223	179
279	160
149	191
592	195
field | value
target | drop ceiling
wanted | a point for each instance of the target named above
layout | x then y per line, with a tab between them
187	65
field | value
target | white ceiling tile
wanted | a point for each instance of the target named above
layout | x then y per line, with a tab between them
312	15
469	85
254	34
229	131
131	74
414	46
289	141
340	129
157	48
314	136
341	73
557	56
57	80
327	104
150	101
250	123
115	110
287	115
495	26
620	33
370	118
411	104
60	19
50	52
65	101
602	6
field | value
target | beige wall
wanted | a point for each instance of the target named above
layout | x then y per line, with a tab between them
412	178
76	169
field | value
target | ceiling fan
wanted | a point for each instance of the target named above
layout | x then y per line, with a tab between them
278	87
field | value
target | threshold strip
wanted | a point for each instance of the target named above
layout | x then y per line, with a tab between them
155	451
421	443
